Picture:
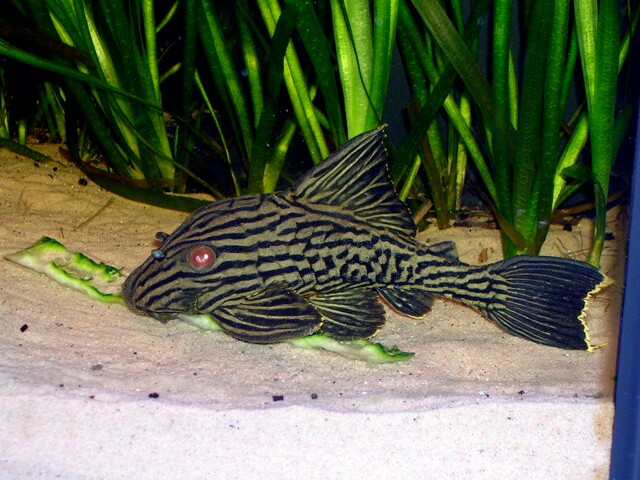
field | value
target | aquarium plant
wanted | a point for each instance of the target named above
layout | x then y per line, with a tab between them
242	97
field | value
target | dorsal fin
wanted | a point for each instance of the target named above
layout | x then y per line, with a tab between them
355	178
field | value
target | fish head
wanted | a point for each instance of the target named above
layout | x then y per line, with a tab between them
170	281
192	270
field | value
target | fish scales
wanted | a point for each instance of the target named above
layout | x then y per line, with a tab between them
318	257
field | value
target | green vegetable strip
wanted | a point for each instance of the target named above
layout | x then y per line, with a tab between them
362	350
355	350
73	270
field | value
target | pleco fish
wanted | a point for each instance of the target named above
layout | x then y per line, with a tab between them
319	256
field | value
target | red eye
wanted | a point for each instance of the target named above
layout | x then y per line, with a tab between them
201	257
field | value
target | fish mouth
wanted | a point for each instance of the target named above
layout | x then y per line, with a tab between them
129	294
164	313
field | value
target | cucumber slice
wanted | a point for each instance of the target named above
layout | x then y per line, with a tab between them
71	269
363	350
202	321
355	349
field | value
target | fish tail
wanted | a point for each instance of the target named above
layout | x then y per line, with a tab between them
542	299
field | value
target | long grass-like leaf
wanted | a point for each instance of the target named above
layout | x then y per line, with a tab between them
553	104
102	36
526	178
224	70
385	19
36	61
419	61
151	49
438	195
23	150
459	55
317	46
227	155
364	45
600	68
497	120
275	77
190	10
273	168
502	155
251	62
353	39
150	197
467	67
297	86
183	141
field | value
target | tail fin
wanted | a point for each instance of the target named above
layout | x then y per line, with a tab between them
544	299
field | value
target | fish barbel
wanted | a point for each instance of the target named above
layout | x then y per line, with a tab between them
320	256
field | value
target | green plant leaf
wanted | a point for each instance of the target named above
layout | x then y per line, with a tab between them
23	150
275	77
527	177
296	84
224	71
317	46
599	40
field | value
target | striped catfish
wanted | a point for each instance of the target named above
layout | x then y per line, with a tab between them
320	256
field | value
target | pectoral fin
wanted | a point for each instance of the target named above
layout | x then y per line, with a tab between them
350	314
272	315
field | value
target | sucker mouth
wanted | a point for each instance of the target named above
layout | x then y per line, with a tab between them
129	290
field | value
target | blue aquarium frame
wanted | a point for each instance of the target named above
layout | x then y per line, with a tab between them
625	451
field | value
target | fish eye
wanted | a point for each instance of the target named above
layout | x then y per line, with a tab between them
201	257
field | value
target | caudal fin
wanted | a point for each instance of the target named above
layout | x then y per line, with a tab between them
544	299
